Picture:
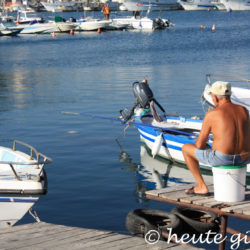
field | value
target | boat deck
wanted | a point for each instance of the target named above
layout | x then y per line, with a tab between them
177	196
50	236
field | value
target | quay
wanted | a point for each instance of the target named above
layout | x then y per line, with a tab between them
177	196
43	235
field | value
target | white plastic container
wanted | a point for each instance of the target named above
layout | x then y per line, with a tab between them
229	183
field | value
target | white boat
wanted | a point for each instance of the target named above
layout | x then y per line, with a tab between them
25	17
237	5
58	25
219	5
143	23
91	24
166	137
22	181
60	6
197	4
36	28
116	25
240	94
6	31
155	5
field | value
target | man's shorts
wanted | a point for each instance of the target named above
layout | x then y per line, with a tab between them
215	158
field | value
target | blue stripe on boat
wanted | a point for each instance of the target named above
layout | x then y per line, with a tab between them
163	144
17	200
175	138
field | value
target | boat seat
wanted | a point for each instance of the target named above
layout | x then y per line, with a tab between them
11	156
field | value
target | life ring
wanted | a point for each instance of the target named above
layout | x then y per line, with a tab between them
140	221
196	221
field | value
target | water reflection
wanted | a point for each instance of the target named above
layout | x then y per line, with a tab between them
156	173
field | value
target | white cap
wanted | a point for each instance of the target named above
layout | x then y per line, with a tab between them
220	88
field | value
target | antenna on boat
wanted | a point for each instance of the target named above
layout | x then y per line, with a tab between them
149	9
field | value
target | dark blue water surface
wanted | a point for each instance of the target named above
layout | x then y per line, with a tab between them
40	76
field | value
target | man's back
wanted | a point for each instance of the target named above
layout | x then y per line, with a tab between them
230	127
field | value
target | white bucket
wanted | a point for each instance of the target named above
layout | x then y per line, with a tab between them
229	183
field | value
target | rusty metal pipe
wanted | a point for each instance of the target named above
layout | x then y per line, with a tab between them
199	207
223	229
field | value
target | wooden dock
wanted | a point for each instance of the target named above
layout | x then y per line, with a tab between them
177	196
43	235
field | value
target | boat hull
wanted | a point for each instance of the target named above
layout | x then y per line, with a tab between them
152	5
13	208
93	25
236	5
23	180
45	28
197	5
171	147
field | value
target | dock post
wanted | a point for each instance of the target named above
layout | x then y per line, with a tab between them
223	229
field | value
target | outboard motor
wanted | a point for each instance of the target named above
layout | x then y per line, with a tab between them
143	95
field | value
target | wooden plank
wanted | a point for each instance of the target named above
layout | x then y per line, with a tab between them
74	236
24	240
112	241
242	209
246	210
63	240
235	207
47	238
36	228
178	193
213	204
204	201
79	243
126	243
191	199
157	192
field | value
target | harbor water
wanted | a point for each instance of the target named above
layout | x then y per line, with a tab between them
93	180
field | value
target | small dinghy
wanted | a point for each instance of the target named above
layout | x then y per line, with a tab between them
164	135
22	181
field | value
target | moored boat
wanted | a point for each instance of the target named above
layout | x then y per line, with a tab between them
6	31
60	6
58	25
143	23
27	16
197	4
155	5
91	24
164	135
236	5
240	90
22	181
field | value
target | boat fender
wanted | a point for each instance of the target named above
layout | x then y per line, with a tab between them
197	222
140	221
157	145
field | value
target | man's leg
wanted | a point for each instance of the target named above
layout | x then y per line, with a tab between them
188	151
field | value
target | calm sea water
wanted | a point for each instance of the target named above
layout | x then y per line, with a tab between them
93	181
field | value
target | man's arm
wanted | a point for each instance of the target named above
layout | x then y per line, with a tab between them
205	131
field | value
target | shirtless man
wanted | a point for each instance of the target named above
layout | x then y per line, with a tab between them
230	127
